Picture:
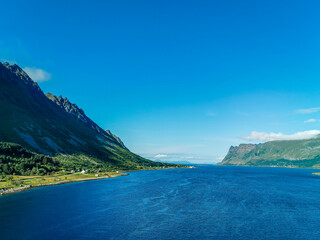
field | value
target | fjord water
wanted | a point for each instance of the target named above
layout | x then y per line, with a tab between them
208	202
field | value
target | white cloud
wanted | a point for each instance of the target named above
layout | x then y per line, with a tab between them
190	157
308	110
37	74
264	137
161	156
311	120
220	158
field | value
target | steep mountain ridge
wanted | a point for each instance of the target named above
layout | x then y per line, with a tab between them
74	110
288	153
53	125
79	114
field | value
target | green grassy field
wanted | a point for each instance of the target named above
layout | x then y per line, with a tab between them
14	181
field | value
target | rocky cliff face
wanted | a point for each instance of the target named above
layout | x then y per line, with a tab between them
236	154
241	149
53	125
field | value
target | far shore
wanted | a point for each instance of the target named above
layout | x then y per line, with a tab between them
265	166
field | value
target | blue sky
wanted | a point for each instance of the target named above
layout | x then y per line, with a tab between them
176	80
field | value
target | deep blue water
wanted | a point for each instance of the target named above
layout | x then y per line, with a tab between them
209	202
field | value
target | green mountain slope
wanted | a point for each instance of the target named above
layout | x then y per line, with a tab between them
17	160
55	127
289	153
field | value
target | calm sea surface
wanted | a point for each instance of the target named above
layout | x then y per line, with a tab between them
209	202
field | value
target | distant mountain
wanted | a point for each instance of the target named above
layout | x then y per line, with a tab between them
286	153
176	162
54	126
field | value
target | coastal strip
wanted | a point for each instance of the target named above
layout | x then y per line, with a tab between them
30	182
28	187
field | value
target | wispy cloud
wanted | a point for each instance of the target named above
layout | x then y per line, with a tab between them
37	74
161	156
264	137
308	110
311	120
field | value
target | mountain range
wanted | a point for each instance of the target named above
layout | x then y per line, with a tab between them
281	153
53	126
44	126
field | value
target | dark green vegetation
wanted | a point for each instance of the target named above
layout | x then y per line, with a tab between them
53	133
288	153
17	160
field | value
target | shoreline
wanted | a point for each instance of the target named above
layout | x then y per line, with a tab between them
28	187
294	167
184	167
314	173
120	174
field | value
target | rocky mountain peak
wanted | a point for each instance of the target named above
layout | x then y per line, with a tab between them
17	71
16	74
